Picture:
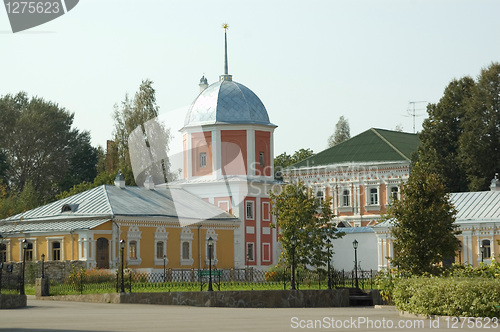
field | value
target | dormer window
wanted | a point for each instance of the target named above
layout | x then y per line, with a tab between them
69	208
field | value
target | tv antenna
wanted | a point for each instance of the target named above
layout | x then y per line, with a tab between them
412	111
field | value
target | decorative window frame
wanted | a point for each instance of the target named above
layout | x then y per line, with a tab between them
389	186
487	249
342	207
252	203
268	216
134	234
252	244
50	253
368	197
161	235
268	246
211	233
6	242
33	242
187	236
203	160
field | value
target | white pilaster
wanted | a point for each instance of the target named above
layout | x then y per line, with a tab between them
250	152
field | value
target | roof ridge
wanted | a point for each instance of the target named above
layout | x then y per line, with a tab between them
107	199
389	143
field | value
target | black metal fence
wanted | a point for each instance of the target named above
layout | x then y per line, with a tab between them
198	280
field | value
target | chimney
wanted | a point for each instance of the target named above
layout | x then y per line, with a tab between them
120	180
203	83
495	183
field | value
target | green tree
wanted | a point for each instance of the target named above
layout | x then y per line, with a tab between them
41	146
423	224
284	160
3	167
342	132
299	214
480	142
136	122
442	131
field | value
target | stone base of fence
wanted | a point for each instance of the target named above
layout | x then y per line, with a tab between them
11	301
230	299
42	287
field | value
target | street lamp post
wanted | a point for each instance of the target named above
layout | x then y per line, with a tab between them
43	267
355	246
294	244
164	268
210	246
25	246
328	241
482	253
122	249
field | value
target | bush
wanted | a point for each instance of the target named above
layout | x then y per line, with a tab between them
448	296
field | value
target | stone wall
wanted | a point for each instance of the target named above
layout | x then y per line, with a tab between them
230	299
10	301
56	270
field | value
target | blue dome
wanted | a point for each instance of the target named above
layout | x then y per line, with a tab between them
227	102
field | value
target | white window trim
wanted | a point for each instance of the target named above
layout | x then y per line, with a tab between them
264	245
7	249
253	252
253	210
161	235
33	241
369	206
49	254
342	207
269	209
187	236
389	194
208	234
201	159
134	234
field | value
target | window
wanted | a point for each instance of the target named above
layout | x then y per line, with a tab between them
3	252
250	252
203	159
346	198
373	196
250	210
394	194
159	250
132	250
56	251
485	244
185	250
29	252
160	246
262	160
320	197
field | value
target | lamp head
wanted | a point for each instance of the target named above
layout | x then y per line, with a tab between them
25	244
355	244
210	241
293	240
43	257
328	241
122	244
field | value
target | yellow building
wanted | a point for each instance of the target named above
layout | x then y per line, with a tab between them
159	226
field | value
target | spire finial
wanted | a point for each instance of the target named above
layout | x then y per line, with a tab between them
226	75
225	26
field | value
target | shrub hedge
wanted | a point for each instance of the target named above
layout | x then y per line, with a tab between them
447	296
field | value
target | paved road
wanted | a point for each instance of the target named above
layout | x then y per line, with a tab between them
77	316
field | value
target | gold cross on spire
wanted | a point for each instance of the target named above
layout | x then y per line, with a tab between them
225	26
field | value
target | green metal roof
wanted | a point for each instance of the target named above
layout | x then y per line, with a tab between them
369	146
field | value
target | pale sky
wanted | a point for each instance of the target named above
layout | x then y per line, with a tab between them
309	61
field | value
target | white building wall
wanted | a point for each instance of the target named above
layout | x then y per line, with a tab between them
343	257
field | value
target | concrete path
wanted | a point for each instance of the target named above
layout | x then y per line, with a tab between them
78	316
